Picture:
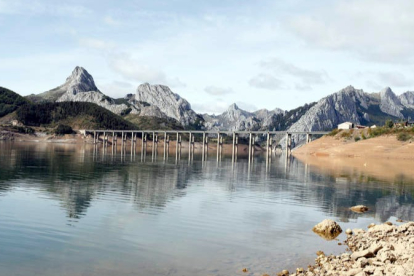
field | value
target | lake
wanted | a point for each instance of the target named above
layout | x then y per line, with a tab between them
78	210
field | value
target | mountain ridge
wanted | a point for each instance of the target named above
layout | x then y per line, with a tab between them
159	101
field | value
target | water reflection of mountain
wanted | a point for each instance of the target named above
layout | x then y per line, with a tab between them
76	177
72	176
336	193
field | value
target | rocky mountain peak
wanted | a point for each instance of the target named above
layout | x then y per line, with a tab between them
390	103
233	107
167	101
79	81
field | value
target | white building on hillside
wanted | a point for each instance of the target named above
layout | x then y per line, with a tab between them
346	125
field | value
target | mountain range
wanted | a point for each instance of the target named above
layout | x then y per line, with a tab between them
158	101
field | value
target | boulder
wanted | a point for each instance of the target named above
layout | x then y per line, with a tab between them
327	229
359	209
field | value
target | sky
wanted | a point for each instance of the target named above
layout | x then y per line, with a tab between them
258	54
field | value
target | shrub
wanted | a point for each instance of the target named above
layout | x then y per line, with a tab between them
357	138
346	134
63	129
363	136
379	131
389	123
334	132
403	136
27	130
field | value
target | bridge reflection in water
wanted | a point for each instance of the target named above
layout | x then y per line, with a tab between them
203	138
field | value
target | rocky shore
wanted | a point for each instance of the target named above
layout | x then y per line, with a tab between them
384	249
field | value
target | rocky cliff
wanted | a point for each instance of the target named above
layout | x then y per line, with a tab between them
357	106
235	118
169	103
80	87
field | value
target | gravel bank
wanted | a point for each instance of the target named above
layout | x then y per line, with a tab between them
384	249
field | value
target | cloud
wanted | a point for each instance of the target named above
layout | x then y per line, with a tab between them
110	21
303	87
41	8
281	67
373	85
265	81
96	44
133	69
375	30
123	84
218	91
211	107
117	89
395	79
247	106
379	80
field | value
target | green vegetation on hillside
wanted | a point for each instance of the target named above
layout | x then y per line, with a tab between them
403	133
63	129
284	121
54	113
10	101
153	123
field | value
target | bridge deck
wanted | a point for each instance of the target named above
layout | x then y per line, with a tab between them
207	132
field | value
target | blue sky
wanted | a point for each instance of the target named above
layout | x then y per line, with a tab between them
259	54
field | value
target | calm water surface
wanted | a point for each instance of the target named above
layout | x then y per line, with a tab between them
71	210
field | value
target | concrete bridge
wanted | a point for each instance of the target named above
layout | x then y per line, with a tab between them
178	135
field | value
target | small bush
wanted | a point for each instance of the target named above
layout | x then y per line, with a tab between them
357	138
63	129
379	131
346	134
334	132
27	130
363	136
389	123
403	136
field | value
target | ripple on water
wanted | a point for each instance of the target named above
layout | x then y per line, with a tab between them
67	210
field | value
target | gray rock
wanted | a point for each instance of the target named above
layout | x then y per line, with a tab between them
390	103
169	103
80	87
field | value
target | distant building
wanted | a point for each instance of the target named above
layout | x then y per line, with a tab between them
346	125
16	123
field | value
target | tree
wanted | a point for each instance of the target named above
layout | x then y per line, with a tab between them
389	123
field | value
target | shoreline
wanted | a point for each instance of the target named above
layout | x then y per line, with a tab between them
384	249
40	137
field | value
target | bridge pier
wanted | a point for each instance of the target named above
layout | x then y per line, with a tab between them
180	139
189	145
288	144
308	138
253	143
218	145
236	148
206	156
166	145
176	147
233	147
250	146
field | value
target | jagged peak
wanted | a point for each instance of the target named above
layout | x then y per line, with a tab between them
79	72
233	107
80	81
386	90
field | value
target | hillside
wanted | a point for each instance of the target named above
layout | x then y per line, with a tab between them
74	114
382	142
10	101
151	122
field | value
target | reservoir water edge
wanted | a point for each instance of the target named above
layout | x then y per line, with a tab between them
74	210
